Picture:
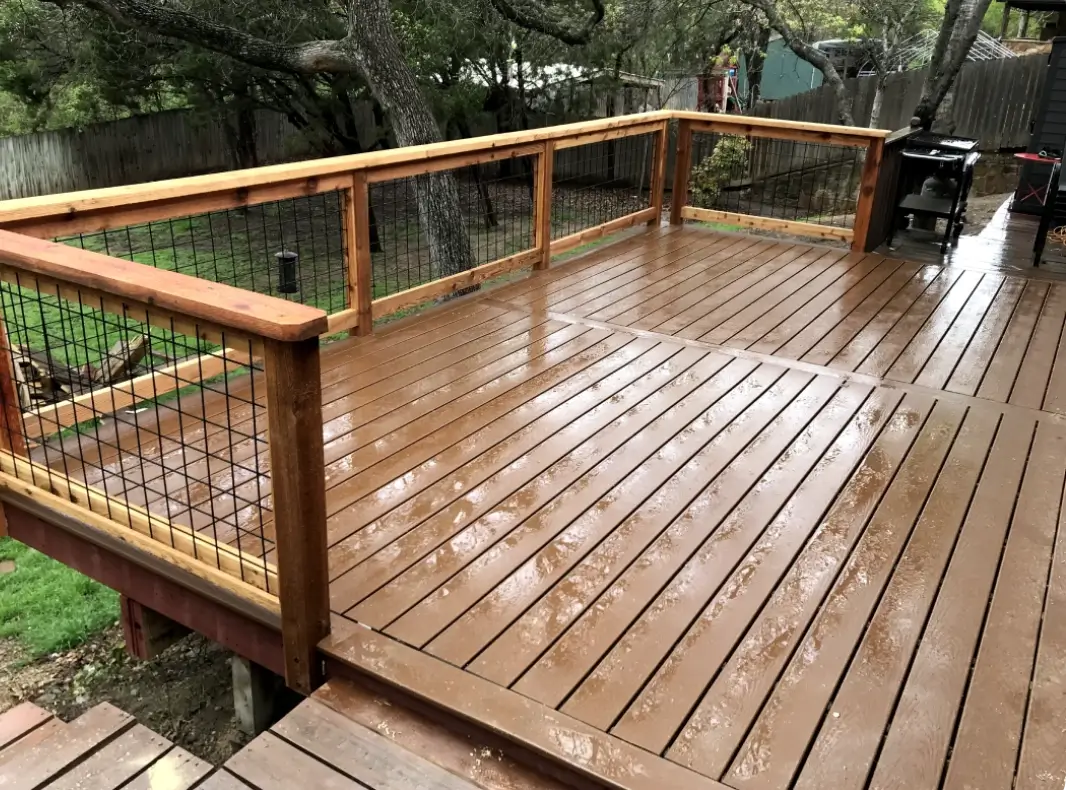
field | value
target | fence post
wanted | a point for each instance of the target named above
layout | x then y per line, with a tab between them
12	437
867	192
357	251
542	209
298	490
658	173
682	165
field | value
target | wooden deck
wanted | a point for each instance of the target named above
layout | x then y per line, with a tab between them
703	508
103	749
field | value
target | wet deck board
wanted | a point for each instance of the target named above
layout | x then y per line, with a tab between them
723	509
103	748
344	737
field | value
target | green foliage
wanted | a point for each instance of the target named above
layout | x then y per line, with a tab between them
46	606
725	163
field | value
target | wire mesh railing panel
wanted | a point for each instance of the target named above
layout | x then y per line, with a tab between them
595	183
426	227
291	248
776	179
142	419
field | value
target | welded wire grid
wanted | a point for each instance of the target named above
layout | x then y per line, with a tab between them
416	239
291	248
596	183
167	430
776	179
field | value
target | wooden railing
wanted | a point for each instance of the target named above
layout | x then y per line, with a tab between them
779	153
229	352
150	477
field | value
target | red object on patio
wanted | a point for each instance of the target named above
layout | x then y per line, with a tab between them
1040	191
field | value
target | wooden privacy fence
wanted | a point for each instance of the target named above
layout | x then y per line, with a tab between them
206	446
994	101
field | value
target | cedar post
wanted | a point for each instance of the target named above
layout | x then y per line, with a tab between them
542	210
357	252
867	191
12	437
679	193
658	173
298	483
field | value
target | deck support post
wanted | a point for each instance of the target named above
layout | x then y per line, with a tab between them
658	173
357	252
871	168
542	206
258	696
682	165
298	483
147	633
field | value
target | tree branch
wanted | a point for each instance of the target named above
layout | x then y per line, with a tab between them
534	15
814	56
305	58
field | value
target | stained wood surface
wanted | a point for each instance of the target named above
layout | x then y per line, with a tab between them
102	749
328	746
766	514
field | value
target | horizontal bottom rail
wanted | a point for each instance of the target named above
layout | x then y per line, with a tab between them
766	223
448	285
598	232
79	501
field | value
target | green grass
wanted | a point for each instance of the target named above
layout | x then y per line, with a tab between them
48	607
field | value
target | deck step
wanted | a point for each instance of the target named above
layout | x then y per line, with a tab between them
20	721
35	762
344	732
103	748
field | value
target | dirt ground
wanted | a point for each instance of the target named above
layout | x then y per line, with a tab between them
185	694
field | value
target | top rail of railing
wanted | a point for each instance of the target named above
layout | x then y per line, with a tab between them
75	212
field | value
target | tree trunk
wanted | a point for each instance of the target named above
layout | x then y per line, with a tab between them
369	48
392	81
879	101
962	22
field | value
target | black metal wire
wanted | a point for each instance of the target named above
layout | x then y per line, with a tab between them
779	179
169	458
596	183
496	205
239	247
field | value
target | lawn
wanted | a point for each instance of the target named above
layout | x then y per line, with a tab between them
46	606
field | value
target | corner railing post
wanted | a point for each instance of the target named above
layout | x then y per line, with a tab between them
867	192
12	437
357	252
542	207
297	473
682	165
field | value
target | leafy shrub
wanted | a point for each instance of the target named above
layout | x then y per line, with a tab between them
726	162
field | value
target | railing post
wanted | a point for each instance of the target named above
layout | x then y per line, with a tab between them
542	209
12	437
357	251
298	486
658	173
682	165
867	192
